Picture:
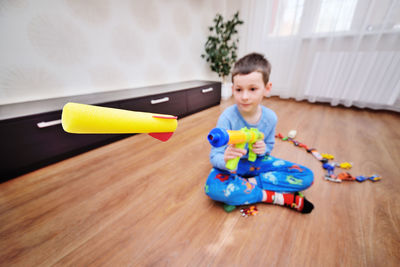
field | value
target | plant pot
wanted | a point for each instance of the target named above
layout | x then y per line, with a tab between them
226	90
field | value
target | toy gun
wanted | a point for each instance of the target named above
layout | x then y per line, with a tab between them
88	119
219	137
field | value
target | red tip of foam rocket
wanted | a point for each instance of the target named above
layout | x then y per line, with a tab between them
162	136
165	117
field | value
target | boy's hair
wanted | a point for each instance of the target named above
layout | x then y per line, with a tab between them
253	62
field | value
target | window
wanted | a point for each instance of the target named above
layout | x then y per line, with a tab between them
288	15
335	15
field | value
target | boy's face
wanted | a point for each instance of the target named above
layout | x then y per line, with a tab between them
248	91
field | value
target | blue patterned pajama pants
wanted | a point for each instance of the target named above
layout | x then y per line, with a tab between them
271	174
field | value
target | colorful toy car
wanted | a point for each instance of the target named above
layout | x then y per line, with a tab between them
375	178
327	156
361	178
345	165
329	167
345	176
332	178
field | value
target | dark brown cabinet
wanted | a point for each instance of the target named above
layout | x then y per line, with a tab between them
169	103
26	147
203	97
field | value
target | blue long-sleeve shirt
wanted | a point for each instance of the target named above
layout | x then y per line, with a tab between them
231	119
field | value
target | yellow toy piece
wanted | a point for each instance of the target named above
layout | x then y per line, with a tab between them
327	156
345	165
89	119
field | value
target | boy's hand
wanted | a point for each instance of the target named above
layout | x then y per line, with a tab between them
259	147
232	152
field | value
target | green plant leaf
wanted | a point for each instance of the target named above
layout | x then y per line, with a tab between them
221	45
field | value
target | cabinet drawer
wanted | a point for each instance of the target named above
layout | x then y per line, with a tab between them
170	103
203	97
25	146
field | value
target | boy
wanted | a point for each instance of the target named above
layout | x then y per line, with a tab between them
268	179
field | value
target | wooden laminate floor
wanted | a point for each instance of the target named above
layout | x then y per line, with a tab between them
141	202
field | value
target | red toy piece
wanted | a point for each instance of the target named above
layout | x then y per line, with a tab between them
345	176
249	211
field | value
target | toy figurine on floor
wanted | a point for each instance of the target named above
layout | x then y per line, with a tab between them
244	172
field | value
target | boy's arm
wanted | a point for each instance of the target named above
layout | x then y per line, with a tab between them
267	144
217	157
270	137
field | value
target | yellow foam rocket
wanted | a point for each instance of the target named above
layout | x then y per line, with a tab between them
89	119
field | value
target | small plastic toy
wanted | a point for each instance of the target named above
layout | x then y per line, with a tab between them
89	119
292	134
329	167
375	178
345	165
229	208
361	178
332	178
316	154
345	176
219	137
327	156
249	211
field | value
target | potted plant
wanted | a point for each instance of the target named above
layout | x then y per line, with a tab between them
221	47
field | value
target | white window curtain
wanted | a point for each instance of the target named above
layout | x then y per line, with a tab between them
338	51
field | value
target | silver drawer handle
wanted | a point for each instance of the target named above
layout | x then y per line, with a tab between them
158	101
45	124
207	90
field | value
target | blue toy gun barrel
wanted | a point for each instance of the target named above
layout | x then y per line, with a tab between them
218	137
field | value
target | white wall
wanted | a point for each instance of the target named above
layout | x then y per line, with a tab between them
55	48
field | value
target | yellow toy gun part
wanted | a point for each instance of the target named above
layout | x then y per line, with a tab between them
219	137
89	119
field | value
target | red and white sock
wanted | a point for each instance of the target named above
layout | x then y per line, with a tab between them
294	201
